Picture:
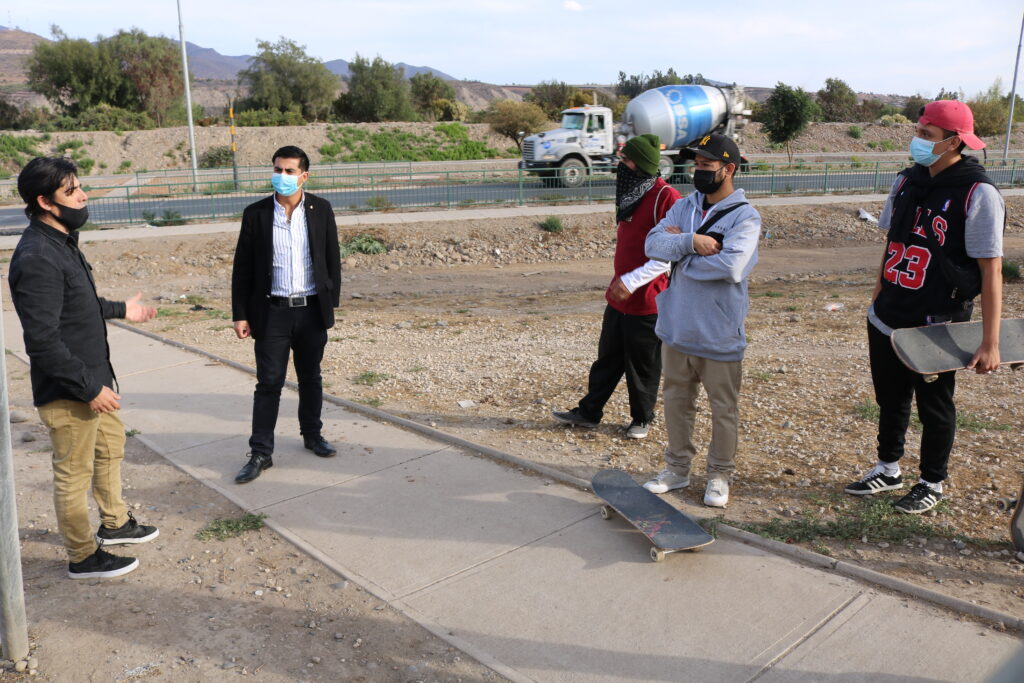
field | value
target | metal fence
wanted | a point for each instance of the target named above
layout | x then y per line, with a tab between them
167	198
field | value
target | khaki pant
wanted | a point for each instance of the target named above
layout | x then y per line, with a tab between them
87	452
683	376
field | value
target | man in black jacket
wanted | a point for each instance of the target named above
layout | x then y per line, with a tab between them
285	286
72	380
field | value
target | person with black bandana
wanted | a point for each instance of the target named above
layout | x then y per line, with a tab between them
63	321
628	345
945	221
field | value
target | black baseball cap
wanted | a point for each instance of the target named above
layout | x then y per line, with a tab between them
719	147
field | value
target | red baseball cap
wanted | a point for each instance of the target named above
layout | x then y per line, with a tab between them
952	115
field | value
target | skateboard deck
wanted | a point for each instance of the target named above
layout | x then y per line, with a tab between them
668	528
933	349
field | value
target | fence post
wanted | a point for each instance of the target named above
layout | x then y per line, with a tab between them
448	189
13	627
824	181
771	184
1013	173
520	191
875	185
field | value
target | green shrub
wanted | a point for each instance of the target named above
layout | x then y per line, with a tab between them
854	132
17	150
103	117
446	142
552	224
269	117
169	218
893	119
216	157
363	244
1011	271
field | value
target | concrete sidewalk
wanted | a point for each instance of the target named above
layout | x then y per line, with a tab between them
520	571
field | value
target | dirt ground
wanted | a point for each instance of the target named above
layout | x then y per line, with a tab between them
507	316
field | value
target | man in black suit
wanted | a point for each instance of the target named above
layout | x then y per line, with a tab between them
285	286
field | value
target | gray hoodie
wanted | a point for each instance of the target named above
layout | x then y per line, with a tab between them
702	311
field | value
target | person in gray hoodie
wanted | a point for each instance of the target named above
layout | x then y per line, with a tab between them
710	237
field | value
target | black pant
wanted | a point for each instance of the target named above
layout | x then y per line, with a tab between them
628	346
895	386
300	330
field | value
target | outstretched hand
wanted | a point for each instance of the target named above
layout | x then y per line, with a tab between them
135	312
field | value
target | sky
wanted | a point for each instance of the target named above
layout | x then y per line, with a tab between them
886	47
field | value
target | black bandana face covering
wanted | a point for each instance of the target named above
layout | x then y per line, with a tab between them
630	187
70	218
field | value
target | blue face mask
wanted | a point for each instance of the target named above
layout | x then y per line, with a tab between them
285	185
923	152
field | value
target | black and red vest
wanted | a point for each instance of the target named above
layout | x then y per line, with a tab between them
914	285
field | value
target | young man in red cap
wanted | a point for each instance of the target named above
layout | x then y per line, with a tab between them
628	344
945	220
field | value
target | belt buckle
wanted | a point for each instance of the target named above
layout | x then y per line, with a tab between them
296	301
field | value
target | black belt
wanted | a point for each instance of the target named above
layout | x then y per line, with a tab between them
293	301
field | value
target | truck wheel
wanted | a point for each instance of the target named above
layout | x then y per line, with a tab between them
573	173
666	166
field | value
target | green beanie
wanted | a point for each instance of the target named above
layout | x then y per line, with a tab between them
643	150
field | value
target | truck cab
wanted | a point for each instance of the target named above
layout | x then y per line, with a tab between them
565	155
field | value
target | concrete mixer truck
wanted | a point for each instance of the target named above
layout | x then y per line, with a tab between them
587	140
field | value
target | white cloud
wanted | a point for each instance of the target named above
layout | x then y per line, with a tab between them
573	6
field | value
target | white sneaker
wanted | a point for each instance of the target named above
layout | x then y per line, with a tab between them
716	495
666	481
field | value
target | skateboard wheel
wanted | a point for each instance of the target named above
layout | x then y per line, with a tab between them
1016	366
657	554
607	512
1005	504
930	378
695	550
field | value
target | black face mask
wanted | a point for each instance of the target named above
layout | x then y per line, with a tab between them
70	218
707	181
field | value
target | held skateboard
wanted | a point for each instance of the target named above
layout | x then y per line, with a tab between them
668	529
933	349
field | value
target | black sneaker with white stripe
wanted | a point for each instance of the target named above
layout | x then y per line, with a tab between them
129	532
101	565
921	498
875	481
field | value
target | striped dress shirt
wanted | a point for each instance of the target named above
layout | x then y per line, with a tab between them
292	264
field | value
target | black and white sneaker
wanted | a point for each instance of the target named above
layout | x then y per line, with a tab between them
129	532
101	565
921	498
875	481
573	417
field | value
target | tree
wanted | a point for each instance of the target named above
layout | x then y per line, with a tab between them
377	91
991	110
73	75
785	114
631	86
282	76
510	118
913	105
837	100
949	95
10	116
551	96
150	68
426	88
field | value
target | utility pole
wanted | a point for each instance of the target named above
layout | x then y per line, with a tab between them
13	628
188	100
234	147
1013	93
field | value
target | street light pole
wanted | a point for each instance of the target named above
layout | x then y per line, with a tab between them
13	628
1013	92
188	99
234	147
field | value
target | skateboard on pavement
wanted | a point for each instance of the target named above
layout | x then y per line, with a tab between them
668	529
933	349
1016	521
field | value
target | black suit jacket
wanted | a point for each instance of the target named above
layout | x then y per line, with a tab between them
253	270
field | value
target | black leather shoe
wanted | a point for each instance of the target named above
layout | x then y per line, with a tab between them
318	445
252	469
